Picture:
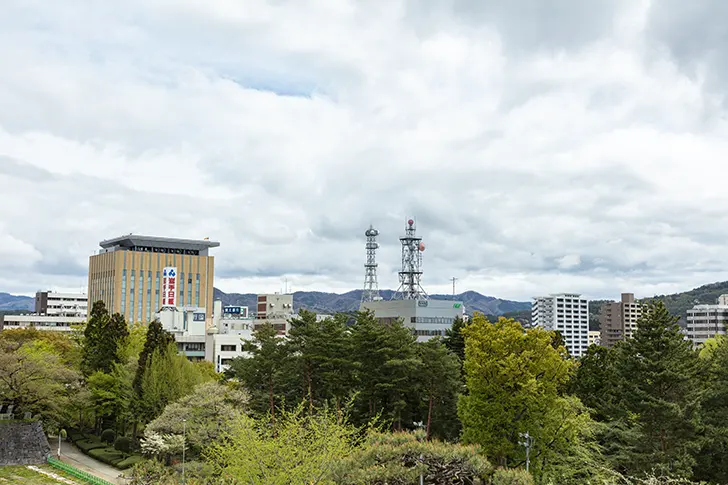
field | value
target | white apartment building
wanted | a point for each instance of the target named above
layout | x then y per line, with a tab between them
40	322
707	321
57	304
567	313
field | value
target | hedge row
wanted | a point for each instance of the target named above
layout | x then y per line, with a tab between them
115	458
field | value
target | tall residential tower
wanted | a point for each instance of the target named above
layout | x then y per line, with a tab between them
566	313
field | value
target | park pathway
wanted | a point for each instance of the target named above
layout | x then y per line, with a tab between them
73	456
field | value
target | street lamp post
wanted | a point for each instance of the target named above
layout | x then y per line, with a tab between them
184	439
528	443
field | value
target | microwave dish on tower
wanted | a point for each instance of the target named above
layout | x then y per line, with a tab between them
411	272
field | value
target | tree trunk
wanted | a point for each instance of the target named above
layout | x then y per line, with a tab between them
429	418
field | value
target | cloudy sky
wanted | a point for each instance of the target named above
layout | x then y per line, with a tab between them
542	146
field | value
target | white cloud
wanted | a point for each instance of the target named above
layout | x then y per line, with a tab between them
569	150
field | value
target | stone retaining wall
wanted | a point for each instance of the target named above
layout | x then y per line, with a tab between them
23	443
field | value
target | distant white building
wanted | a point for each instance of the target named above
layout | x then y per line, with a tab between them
232	325
276	309
426	318
595	337
40	322
707	321
567	313
57	304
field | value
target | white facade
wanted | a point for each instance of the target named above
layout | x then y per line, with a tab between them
426	318
40	322
707	321
595	337
52	303
567	313
231	325
276	309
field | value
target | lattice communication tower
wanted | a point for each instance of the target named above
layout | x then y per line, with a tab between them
411	273
371	287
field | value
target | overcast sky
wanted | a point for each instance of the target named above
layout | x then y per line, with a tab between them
542	145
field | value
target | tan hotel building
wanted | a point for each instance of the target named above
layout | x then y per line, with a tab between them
127	275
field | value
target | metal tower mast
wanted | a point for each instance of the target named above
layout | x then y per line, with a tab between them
371	287
409	276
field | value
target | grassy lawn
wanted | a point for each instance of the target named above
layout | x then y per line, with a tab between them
25	476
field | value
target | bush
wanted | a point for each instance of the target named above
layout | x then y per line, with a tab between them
87	445
108	436
129	462
512	477
151	472
123	444
76	436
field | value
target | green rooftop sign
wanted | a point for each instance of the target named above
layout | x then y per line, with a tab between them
457	305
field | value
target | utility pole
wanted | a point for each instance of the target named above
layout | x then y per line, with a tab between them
453	279
528	443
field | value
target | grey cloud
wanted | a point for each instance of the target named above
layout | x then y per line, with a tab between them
18	169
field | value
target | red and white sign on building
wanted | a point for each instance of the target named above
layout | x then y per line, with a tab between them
169	287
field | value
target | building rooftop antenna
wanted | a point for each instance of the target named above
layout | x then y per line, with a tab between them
371	286
411	273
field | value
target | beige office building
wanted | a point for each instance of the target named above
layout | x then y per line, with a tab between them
126	275
618	320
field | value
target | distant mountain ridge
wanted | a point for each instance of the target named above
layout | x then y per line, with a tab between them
330	303
14	302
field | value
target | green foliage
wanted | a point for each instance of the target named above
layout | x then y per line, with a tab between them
108	436
35	378
513	378
440	386
123	444
150	472
454	339
208	412
88	445
659	390
168	376
263	374
386	369
400	458
157	340
515	476
295	448
104	339
713	456
594	382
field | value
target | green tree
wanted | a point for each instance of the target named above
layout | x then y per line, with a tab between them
34	379
263	374
298	448
659	389
386	367
440	377
157	340
454	339
595	380
209	410
513	377
103	339
167	377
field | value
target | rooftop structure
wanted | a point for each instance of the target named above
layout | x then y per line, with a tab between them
153	244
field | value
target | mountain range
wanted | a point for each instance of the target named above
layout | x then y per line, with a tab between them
330	303
14	302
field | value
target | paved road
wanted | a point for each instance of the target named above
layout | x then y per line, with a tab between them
73	456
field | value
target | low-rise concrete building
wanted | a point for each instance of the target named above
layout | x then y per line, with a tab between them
53	303
427	318
40	322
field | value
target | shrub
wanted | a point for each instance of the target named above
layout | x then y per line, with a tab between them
150	472
512	477
76	436
86	445
108	436
400	458
129	462
123	444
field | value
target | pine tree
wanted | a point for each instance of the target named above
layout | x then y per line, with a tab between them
103	340
659	389
454	340
440	379
265	373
